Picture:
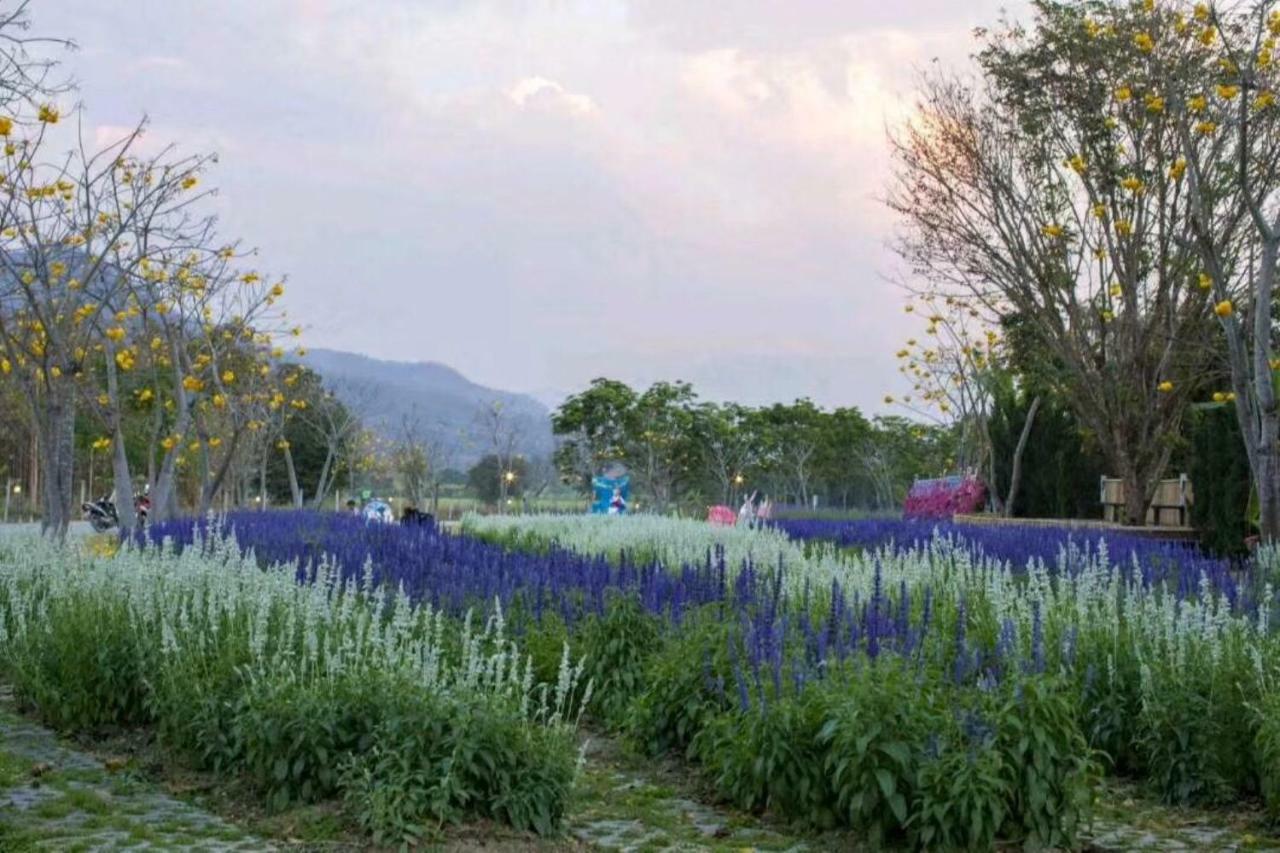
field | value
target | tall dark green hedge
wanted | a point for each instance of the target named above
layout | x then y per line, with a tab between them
1060	468
1219	469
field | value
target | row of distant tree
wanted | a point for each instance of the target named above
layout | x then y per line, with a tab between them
682	450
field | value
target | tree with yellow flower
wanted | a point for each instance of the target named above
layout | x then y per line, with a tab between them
1054	191
1233	190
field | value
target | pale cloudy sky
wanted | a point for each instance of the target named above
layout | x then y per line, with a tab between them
538	192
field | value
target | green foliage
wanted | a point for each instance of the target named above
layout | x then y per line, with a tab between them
1219	469
486	478
1053	770
440	761
873	739
678	702
771	758
83	668
1060	468
617	648
682	450
1267	745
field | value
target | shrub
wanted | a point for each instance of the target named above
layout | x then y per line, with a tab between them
770	757
616	647
439	761
684	690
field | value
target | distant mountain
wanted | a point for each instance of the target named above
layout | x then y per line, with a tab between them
444	403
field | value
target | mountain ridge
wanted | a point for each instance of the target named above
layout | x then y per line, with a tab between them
443	404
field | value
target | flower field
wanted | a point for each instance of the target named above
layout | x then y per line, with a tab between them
331	688
932	687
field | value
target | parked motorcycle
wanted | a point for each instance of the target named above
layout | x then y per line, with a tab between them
102	516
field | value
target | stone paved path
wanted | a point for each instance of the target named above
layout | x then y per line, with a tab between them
53	797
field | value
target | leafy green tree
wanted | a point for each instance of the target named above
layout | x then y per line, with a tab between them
492	480
593	426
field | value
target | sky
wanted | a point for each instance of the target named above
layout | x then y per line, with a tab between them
539	192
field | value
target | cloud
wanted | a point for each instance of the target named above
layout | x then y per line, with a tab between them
534	91
537	191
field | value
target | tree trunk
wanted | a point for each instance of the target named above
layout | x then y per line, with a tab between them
58	462
1135	497
293	478
1268	480
322	487
262	480
123	482
1015	474
214	483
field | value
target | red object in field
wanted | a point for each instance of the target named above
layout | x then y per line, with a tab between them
722	516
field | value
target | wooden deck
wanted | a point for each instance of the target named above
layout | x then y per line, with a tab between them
1175	533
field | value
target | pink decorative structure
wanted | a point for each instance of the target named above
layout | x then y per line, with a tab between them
945	497
721	516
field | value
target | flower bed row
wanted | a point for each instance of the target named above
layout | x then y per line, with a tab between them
331	688
1180	564
772	682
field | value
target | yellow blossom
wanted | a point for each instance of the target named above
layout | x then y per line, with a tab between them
1206	127
6	125
1123	93
1178	168
1124	227
124	360
1227	92
1107	316
1100	210
1197	103
1165	387
115	334
1206	281
145	395
1092	28
1116	290
1051	231
192	384
193	446
1224	308
5	367
101	443
215	442
169	442
48	114
1144	42
1077	164
282	444
1208	36
278	290
1155	104
1132	184
1266	98
189	182
104	400
228	376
